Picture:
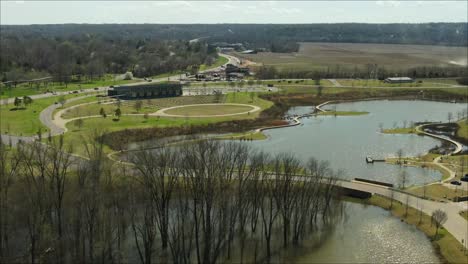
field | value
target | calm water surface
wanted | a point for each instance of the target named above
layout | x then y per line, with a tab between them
369	235
345	141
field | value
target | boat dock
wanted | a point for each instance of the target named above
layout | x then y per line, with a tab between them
372	160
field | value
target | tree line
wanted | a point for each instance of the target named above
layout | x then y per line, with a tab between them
260	35
364	72
31	51
29	56
208	202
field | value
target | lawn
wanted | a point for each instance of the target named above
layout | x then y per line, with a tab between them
219	61
153	105
26	121
203	110
463	130
449	247
76	135
401	130
279	82
438	192
148	105
379	83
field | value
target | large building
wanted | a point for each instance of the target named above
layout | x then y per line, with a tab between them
153	90
399	80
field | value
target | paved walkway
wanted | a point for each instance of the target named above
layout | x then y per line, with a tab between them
162	112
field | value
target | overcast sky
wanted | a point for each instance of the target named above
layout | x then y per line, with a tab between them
56	12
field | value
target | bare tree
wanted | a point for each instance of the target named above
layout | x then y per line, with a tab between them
402	179
285	168
59	162
439	217
10	166
144	230
138	104
159	172
399	155
449	117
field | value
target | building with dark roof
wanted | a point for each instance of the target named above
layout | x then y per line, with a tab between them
153	90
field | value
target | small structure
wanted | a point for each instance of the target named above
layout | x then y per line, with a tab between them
399	80
249	52
153	90
237	72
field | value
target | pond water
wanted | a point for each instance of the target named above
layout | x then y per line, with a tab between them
345	141
369	235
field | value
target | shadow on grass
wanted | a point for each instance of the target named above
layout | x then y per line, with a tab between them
18	108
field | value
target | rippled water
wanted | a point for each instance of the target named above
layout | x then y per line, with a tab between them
345	141
369	235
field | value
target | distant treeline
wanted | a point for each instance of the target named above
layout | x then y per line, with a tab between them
370	72
262	35
91	50
27	56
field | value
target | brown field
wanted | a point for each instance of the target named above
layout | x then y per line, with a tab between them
349	55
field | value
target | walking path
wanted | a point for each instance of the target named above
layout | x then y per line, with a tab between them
162	112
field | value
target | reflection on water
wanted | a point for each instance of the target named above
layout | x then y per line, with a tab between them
369	235
345	141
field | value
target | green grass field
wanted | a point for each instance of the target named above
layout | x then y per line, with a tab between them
407	130
378	83
463	130
148	105
75	136
201	110
438	192
26	121
276	83
219	61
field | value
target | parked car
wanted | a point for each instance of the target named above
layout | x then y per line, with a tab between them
75	92
464	178
96	88
455	183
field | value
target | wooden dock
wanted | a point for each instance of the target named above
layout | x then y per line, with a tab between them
372	160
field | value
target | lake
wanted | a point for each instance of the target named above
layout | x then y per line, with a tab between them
345	141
